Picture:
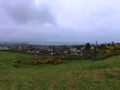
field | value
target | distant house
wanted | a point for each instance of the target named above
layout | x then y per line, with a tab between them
4	48
74	51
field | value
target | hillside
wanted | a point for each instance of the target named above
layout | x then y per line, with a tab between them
70	75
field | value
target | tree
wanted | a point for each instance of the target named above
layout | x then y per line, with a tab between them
96	49
87	46
87	50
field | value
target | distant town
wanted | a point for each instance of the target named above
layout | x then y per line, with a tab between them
87	50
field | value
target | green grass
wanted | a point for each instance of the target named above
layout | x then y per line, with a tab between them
73	75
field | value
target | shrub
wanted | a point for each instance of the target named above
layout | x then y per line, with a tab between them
15	65
45	61
16	61
33	61
57	61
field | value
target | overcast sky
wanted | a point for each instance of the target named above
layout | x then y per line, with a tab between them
60	20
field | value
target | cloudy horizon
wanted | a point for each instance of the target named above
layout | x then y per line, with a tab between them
60	20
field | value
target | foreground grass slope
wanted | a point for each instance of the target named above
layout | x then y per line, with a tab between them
73	75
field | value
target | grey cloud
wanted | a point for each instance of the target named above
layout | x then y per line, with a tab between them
24	12
80	20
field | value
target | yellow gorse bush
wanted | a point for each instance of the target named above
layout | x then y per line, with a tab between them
45	61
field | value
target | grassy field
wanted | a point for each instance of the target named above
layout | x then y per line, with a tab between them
71	75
